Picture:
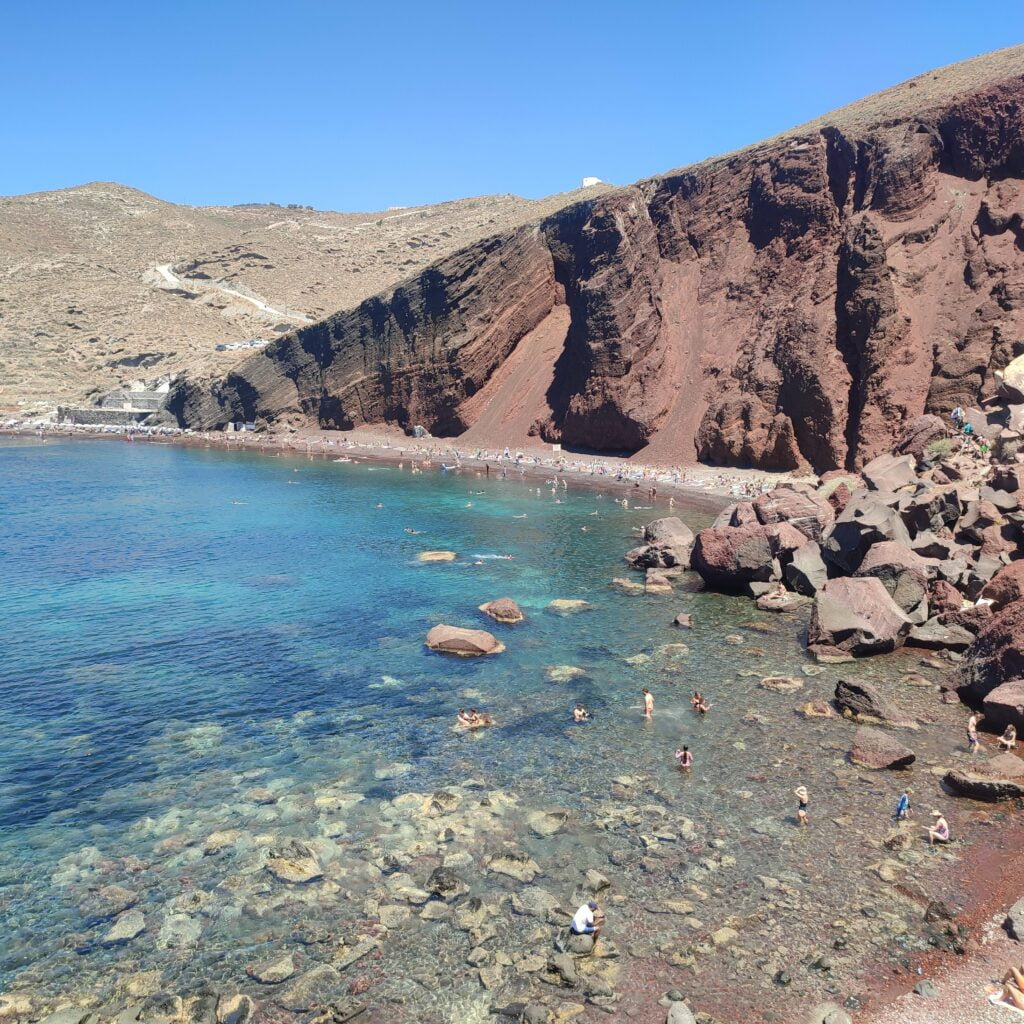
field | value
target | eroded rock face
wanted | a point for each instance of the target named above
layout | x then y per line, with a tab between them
997	653
802	302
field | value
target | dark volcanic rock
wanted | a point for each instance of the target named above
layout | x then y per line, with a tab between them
999	778
857	616
806	573
865	701
668	543
890	472
867	520
800	302
931	508
938	636
903	573
875	748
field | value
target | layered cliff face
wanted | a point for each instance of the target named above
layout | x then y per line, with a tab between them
791	305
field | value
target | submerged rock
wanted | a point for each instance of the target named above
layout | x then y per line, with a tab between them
437	556
563	673
547	823
568	605
465	643
873	748
781	684
516	864
128	926
273	972
315	988
294	862
864	700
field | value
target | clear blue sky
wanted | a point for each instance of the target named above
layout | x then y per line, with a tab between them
358	106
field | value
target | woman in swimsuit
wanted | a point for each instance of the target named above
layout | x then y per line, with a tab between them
939	832
801	812
684	758
1008	741
580	714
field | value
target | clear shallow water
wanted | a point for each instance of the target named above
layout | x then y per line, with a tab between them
181	626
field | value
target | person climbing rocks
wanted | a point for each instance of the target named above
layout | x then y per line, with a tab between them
587	920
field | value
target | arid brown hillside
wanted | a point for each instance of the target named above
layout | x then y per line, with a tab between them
102	284
790	304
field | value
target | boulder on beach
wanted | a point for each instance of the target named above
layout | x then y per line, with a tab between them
1011	381
865	521
568	605
466	643
806	572
731	557
890	472
786	601
656	583
857	616
939	635
875	748
437	556
1014	923
865	701
1005	706
667	545
1006	586
903	573
503	609
801	507
997	653
1000	778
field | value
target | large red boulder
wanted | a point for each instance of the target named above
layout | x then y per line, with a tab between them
1005	706
731	557
805	509
997	779
857	616
997	653
890	472
1006	586
866	520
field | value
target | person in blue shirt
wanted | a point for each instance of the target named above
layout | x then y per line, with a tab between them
903	806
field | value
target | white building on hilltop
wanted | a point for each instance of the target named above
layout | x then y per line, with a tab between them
588	182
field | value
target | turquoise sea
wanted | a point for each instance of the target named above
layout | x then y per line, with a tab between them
208	655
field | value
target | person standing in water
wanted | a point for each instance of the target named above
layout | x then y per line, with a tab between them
903	806
648	703
972	734
801	812
684	758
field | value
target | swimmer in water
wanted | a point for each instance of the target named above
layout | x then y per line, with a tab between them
648	703
703	707
684	758
580	714
409	529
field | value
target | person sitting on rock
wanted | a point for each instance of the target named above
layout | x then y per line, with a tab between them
1012	990
938	832
587	920
1008	741
580	714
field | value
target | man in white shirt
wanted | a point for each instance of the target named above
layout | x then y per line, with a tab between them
584	921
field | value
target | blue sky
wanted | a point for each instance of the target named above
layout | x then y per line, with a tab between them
361	106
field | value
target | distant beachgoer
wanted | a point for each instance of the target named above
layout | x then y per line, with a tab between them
938	832
696	698
804	797
1008	741
580	714
684	758
648	703
903	806
464	718
972	734
587	920
702	706
1011	991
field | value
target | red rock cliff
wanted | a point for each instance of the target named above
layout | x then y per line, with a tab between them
793	304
